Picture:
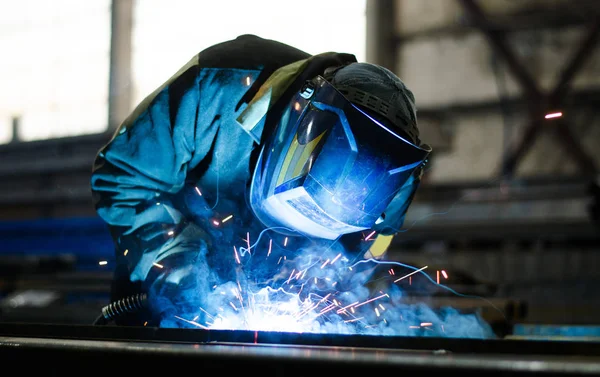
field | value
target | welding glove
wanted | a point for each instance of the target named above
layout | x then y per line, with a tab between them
178	282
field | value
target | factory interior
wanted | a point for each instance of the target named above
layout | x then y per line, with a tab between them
504	227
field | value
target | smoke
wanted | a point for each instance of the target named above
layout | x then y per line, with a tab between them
274	285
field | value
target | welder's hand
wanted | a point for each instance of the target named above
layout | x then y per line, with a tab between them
177	293
177	288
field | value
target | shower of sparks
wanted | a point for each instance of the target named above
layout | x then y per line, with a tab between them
305	298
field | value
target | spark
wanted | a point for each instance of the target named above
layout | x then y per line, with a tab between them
371	300
102	262
247	80
553	115
324	264
445	274
304	273
270	247
145	323
290	278
207	313
412	273
125	252
382	307
336	258
369	236
216	222
425	324
327	309
347	306
195	318
377	312
414	327
285	242
192	322
438	276
233	306
170	233
235	253
198	191
226	219
248	241
158	265
391	271
353	320
157	203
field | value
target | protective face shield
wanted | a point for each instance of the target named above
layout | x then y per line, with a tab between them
329	168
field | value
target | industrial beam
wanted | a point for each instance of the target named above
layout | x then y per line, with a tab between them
120	80
539	102
380	38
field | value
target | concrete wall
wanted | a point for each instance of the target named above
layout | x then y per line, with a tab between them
448	67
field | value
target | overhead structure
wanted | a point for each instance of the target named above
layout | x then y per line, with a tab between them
540	103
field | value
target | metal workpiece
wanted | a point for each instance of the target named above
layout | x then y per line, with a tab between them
269	359
153	349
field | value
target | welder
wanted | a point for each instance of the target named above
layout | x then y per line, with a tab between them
254	134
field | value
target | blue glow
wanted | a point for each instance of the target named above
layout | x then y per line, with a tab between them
310	289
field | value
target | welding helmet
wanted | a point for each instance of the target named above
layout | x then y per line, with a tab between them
338	156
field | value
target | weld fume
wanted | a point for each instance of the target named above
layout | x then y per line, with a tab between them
315	289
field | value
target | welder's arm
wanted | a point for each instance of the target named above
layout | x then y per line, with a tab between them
138	172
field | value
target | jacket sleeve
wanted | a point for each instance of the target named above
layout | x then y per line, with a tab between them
137	174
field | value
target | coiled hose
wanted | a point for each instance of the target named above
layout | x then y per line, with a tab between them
120	307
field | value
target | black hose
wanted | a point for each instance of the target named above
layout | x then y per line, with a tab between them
120	307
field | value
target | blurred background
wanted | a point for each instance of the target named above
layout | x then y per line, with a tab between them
507	94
